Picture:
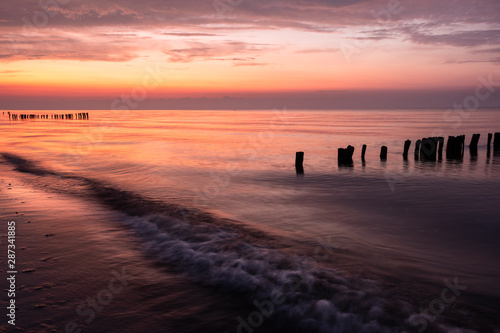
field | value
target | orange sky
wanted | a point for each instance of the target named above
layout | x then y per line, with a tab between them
90	50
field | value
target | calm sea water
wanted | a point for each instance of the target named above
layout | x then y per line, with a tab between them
367	239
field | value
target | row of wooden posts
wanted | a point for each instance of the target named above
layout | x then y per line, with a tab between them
427	149
64	116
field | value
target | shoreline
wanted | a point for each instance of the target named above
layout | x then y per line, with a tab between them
383	279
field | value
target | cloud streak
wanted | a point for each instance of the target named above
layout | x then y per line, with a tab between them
458	39
311	14
63	46
196	51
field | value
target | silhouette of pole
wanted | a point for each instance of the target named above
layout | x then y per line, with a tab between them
406	149
345	156
440	147
428	149
473	144
462	141
383	153
299	161
363	152
417	149
490	136
455	147
496	143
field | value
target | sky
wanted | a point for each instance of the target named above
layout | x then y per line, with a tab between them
249	54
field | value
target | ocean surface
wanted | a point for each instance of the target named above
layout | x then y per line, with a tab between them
204	213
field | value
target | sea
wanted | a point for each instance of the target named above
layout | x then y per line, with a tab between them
198	221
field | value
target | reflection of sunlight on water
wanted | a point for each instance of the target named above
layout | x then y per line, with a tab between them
238	164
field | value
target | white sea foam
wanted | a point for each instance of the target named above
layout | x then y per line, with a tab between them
315	300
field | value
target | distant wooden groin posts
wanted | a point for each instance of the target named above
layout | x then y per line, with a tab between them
427	149
64	116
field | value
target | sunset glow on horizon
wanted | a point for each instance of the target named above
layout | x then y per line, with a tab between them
190	49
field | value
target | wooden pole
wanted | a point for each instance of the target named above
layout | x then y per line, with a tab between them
496	142
417	149
455	147
490	136
345	156
363	152
473	144
383	153
440	147
428	149
299	161
462	142
406	149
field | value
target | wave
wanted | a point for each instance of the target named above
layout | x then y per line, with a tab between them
292	292
304	297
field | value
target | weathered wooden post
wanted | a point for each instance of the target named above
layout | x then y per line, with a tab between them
345	156
383	153
428	149
406	149
299	161
423	149
417	149
455	147
462	142
450	147
363	152
496	142
440	147
473	144
434	148
490	136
